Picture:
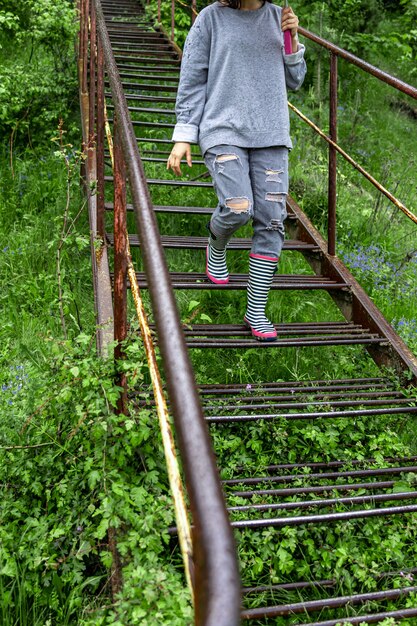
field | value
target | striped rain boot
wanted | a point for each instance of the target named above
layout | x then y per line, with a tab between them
261	273
216	268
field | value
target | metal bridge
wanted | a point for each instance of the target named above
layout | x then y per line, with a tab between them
128	72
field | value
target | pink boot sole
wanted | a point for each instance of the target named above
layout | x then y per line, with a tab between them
272	336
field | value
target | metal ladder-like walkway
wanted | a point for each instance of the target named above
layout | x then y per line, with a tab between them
286	509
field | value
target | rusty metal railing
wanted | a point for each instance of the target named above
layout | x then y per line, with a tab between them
334	148
216	587
335	53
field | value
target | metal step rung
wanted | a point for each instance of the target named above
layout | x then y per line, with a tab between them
307	504
311	606
160	77
317	489
280	522
194	280
144	98
201	243
381	471
310	415
296	385
195	210
174	183
147	60
365	619
364	401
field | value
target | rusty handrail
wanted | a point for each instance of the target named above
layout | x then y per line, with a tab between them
363	65
335	52
358	167
217	581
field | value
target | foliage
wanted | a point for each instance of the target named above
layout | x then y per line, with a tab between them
70	468
182	18
92	469
33	201
37	85
55	509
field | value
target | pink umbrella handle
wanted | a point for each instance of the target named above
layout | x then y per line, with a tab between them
287	42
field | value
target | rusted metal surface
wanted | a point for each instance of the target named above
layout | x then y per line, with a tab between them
395	399
257	480
332	191
363	65
197	280
169	209
84	46
120	259
311	415
324	518
296	491
92	83
217	585
100	266
366	619
100	143
325	502
330	582
356	165
329	603
362	310
195	243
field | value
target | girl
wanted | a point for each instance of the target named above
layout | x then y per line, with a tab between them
232	101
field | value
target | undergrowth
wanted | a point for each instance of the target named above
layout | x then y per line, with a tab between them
71	468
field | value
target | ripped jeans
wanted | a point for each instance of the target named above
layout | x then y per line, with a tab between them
250	183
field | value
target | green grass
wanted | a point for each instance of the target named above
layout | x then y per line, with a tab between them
115	467
32	203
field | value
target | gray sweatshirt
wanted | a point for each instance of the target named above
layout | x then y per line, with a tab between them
234	79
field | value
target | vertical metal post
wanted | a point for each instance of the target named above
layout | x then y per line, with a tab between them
193	11
82	77
331	223
86	13
80	37
172	20
159	11
100	140
92	82
120	257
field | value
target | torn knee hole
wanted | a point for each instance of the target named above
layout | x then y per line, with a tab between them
226	157
273	196
273	176
275	224
238	205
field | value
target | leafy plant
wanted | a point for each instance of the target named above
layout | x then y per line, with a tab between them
37	85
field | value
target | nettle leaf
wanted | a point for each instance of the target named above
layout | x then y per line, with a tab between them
94	477
192	305
402	486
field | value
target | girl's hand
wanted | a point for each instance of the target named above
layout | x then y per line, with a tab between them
289	21
177	153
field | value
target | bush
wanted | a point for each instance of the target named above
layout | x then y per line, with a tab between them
70	468
38	84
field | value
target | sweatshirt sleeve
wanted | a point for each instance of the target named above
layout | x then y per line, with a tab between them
191	95
295	68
